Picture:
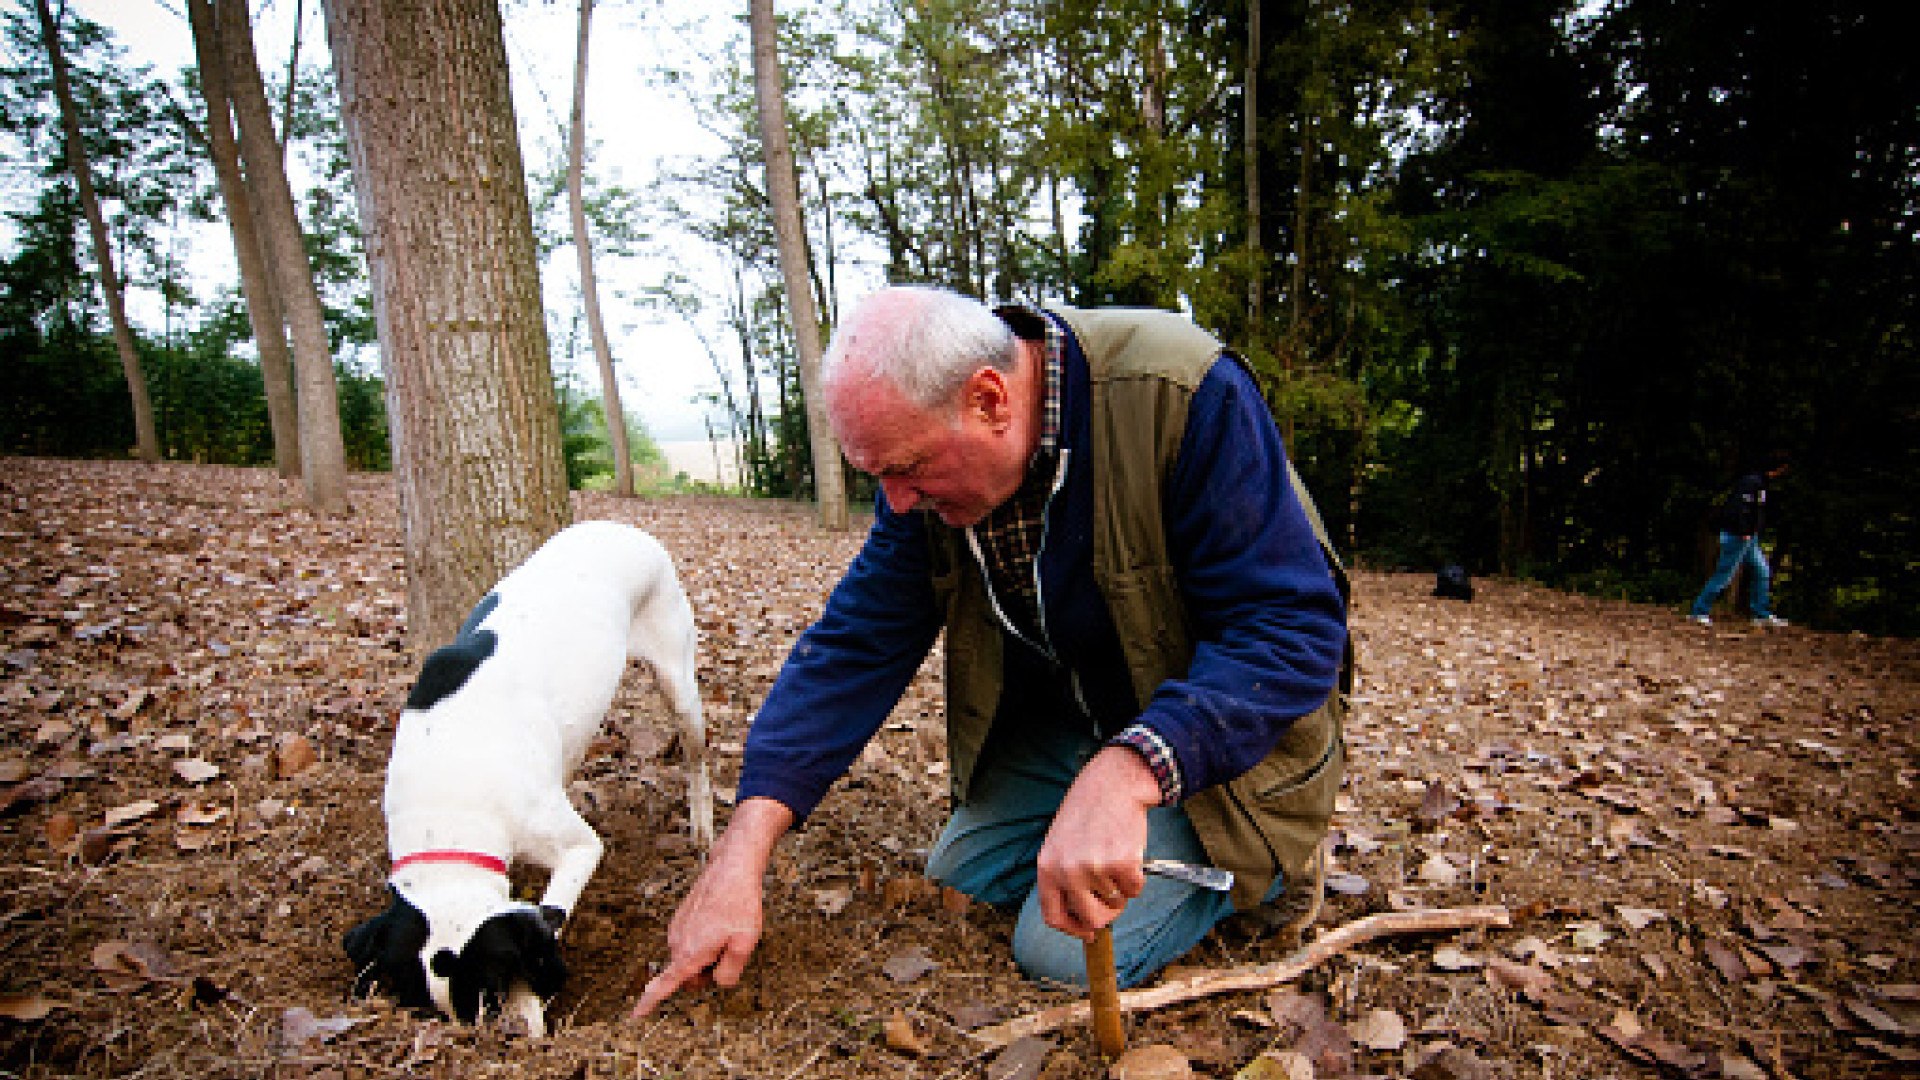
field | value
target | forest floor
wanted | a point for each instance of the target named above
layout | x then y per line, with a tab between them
1705	837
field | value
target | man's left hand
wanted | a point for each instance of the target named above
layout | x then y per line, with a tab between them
1090	863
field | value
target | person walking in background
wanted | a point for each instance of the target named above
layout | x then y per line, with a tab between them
1740	518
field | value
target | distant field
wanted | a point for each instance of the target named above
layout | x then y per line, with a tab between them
696	458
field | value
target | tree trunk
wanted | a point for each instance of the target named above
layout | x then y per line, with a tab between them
256	278
1250	138
828	481
616	417
456	294
1297	307
826	280
1061	253
323	456
293	67
146	434
756	434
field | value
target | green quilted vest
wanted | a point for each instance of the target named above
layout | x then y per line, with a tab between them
1145	366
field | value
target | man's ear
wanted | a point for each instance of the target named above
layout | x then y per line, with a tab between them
988	395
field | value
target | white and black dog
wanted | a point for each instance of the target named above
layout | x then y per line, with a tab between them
496	724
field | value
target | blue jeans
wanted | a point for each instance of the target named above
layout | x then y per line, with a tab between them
989	850
1735	550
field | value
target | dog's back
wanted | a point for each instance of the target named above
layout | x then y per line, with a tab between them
554	636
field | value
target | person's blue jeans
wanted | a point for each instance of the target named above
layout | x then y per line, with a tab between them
1735	550
989	849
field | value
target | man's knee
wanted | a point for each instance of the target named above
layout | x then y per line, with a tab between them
1159	928
989	869
1046	955
1054	957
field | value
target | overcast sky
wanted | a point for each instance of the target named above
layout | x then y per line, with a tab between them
637	129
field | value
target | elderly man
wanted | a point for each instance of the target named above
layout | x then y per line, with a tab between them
1146	633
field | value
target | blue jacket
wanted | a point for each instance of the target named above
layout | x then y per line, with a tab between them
1744	511
1265	614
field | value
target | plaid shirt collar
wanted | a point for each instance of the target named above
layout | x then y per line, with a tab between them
1050	399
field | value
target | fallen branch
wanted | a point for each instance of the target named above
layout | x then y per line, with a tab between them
1260	977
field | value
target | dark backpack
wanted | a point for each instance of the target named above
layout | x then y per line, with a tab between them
1452	583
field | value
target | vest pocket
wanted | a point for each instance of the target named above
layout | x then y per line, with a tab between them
1275	815
1292	777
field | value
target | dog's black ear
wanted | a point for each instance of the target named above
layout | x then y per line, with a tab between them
386	948
465	987
540	959
513	947
554	917
364	944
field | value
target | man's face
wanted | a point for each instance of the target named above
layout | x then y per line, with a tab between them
959	463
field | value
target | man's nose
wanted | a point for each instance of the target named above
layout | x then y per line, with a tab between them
901	497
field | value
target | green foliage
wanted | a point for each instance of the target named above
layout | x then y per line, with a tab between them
1643	261
62	394
208	404
142	163
1527	280
583	440
363	419
68	394
588	452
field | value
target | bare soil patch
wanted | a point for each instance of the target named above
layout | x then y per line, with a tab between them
1706	837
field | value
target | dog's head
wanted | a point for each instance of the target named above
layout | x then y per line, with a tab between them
438	965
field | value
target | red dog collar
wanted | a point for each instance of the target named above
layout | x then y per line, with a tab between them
470	858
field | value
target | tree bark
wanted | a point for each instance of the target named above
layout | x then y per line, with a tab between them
616	416
783	189
146	434
1250	137
1296	346
256	277
323	456
456	294
293	69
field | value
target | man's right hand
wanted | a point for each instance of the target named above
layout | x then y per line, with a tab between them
719	922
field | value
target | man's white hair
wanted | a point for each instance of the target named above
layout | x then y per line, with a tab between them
923	340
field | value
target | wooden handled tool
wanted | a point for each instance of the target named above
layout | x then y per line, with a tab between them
1103	983
1103	995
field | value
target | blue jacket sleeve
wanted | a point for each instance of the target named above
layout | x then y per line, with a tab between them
1267	618
847	671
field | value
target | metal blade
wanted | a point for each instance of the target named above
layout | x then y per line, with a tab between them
1207	877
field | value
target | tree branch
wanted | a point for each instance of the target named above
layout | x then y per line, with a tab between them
1260	977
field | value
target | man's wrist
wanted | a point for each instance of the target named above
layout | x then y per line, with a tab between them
756	826
1158	757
